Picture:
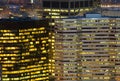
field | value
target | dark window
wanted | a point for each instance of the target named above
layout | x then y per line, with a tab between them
76	4
64	4
81	4
86	4
55	4
64	14
46	3
72	4
90	3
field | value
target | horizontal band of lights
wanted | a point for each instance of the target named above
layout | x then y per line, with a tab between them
87	49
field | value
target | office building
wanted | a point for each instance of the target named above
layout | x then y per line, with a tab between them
21	8
64	8
3	11
66	51
0	72
25	50
87	48
47	8
110	8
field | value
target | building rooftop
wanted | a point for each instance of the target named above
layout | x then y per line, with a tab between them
91	15
22	23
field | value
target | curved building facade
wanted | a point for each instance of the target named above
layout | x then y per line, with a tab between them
87	48
25	50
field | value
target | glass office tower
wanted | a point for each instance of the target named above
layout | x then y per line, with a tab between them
25	53
87	48
0	72
65	8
